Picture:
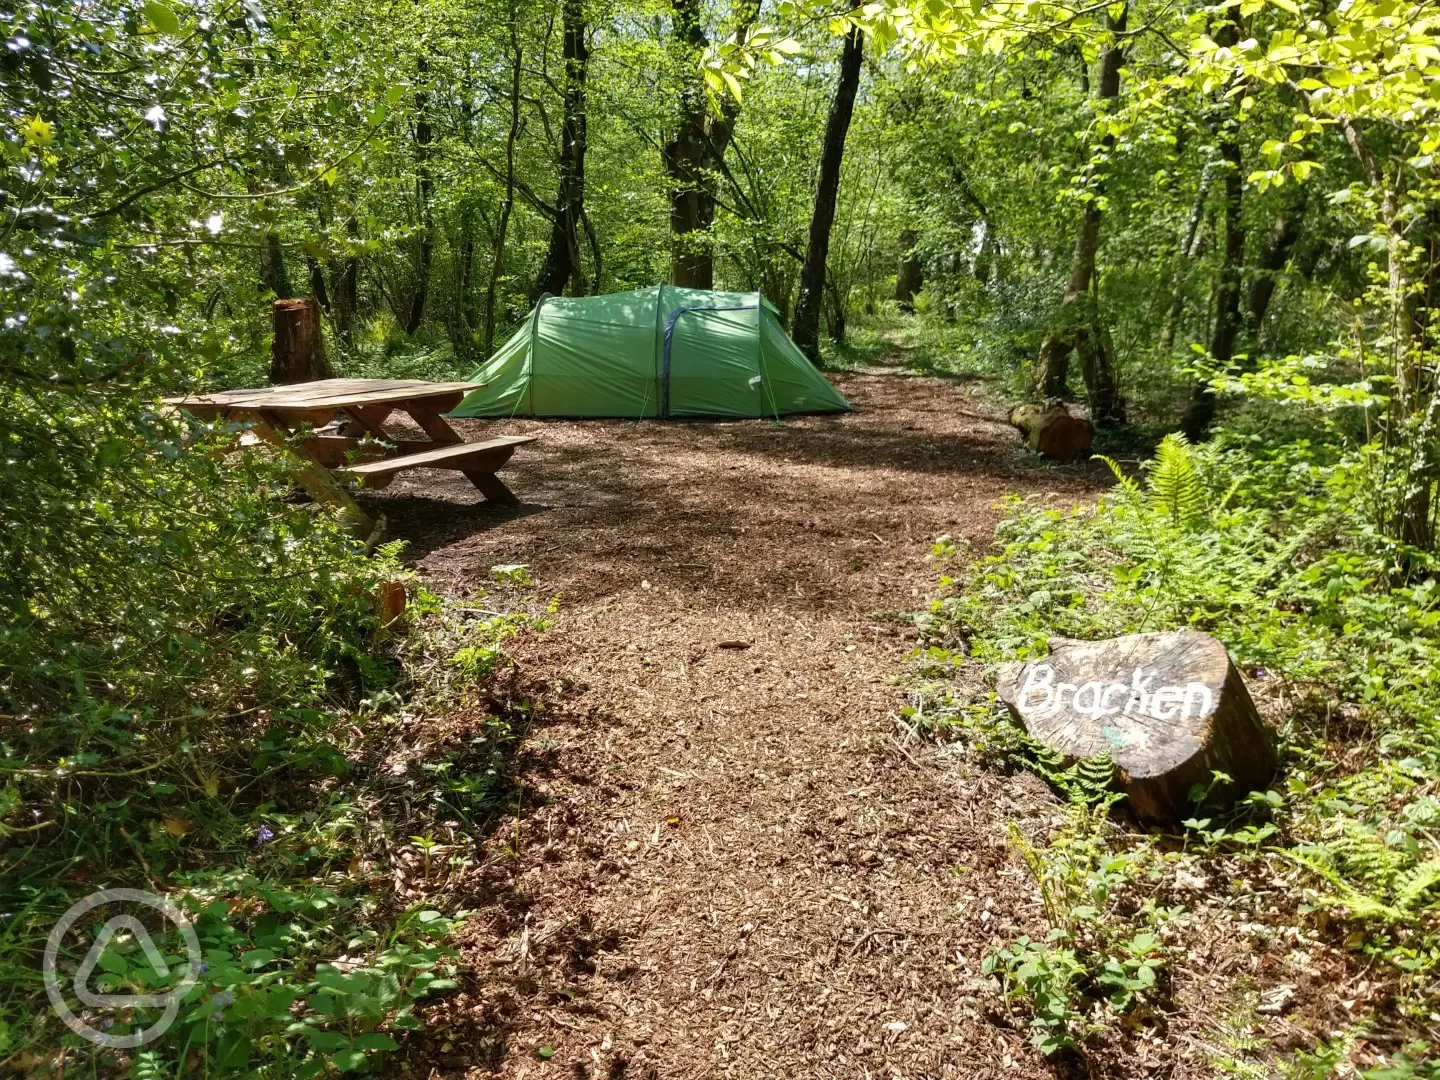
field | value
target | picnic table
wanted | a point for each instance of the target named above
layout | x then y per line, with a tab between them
347	419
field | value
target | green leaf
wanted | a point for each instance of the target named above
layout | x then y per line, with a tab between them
374	1040
326	1041
256	958
162	18
351	1061
113	962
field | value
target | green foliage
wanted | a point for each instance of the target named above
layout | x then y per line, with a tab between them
1253	546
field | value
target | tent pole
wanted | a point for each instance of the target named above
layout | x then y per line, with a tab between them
530	360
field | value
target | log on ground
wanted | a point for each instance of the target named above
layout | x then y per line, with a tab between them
1053	430
1170	709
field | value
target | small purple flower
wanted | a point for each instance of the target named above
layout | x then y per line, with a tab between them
264	834
1261	673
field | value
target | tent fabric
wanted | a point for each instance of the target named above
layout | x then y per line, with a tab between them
657	352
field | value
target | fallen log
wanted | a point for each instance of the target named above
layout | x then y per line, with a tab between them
1170	709
1052	429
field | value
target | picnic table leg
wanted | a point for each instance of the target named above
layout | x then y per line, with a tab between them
440	430
491	487
432	423
366	419
314	477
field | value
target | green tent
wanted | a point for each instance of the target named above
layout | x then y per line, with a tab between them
663	351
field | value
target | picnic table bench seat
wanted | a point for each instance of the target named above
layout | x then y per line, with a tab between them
477	460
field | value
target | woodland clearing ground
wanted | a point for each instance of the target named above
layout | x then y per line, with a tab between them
733	867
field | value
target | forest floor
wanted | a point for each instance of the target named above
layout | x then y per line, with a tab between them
728	861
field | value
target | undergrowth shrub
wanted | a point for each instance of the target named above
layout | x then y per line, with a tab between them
1334	624
195	693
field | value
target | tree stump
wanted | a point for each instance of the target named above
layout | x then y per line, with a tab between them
297	354
1052	429
1169	708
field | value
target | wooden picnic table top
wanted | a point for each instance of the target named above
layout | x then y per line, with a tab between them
324	394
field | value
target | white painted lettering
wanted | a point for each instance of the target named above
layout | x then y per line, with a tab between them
1037	681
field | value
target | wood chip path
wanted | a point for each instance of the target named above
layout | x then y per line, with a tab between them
732	867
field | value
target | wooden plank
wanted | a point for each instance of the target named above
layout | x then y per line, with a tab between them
430	420
492	487
327	393
334	451
365	419
460	456
316	479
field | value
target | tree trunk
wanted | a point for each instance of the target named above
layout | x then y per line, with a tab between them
416	313
805	329
910	277
1226	302
272	267
1271	263
692	157
1169	709
562	257
296	353
834	313
1073	324
345	290
469	313
497	259
1186	256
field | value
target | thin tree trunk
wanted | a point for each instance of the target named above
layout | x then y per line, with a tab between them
469	313
497	261
1271	262
1074	326
416	313
1186	256
910	276
1226	296
345	290
562	257
1415	403
272	267
805	329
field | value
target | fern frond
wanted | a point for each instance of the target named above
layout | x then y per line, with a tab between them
1176	489
1411	886
1123	480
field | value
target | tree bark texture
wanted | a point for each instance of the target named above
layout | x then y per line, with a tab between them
561	266
693	155
805	328
1077	324
297	353
910	275
1169	709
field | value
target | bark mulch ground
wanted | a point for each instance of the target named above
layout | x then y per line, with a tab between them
730	866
